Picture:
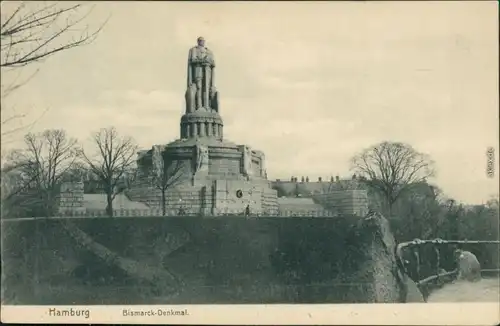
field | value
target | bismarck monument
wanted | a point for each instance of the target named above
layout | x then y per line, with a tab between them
207	174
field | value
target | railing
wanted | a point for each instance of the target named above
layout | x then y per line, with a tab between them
440	275
93	213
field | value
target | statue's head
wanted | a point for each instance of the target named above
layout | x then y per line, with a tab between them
201	41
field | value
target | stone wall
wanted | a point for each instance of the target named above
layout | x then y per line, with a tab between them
256	169
217	197
70	197
233	196
224	166
270	201
145	194
345	202
192	200
313	187
260	168
344	196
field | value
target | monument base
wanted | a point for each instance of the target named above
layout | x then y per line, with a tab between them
211	197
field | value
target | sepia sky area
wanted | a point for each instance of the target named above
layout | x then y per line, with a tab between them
310	84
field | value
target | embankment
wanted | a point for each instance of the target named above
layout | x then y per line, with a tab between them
227	259
189	260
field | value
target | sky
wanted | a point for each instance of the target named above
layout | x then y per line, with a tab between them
311	84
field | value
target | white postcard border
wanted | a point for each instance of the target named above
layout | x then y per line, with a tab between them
272	314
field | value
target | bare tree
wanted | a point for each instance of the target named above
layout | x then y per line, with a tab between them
167	175
41	165
114	157
391	168
33	31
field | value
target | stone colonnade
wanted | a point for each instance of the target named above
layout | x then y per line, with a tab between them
202	129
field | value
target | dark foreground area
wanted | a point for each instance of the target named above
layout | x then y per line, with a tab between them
195	260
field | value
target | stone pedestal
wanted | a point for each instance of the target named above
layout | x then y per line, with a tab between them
220	186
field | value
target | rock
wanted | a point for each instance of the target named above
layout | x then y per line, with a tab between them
413	293
469	268
372	269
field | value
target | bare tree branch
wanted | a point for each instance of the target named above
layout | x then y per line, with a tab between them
14	84
33	31
113	158
29	35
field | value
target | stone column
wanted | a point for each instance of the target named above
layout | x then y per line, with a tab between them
214	130
202	129
188	130
209	129
220	132
195	129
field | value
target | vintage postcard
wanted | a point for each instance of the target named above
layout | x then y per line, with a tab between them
250	163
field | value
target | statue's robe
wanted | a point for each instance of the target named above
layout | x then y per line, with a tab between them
200	82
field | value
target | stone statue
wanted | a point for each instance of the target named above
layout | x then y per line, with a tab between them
247	160
214	99
191	98
201	157
201	91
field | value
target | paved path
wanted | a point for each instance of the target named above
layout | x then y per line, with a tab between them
486	290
